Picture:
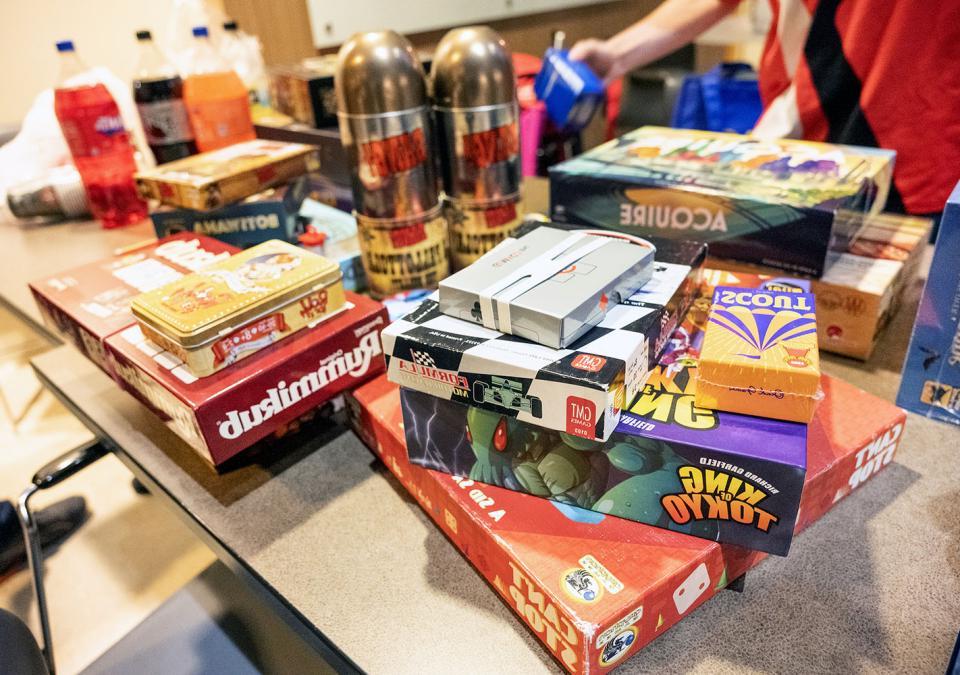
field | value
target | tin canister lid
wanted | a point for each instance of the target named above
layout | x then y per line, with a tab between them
473	68
218	299
378	72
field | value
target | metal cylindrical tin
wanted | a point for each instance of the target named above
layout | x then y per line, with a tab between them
385	126
475	103
475	229
403	254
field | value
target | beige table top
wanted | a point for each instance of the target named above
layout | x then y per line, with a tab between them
346	555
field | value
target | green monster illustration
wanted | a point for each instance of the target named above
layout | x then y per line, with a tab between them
653	465
574	470
538	461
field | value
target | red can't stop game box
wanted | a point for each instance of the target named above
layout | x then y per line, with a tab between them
593	588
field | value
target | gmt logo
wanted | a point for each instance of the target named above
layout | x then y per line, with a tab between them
581	417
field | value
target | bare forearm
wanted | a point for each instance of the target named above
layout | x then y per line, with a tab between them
674	24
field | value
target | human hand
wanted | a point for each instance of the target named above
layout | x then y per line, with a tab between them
599	56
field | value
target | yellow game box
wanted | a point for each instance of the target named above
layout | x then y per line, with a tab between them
759	354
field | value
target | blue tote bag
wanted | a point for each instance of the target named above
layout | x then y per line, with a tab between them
726	98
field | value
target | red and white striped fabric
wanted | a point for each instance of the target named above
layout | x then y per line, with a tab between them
870	72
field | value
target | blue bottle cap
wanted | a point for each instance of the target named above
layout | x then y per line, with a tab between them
65	46
200	31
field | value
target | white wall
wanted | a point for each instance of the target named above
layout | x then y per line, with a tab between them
102	30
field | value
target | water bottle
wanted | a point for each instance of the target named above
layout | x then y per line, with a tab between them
99	143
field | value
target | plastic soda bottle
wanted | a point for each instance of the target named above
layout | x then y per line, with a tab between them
158	92
216	99
99	143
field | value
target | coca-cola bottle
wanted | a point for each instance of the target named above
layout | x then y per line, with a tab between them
99	143
158	92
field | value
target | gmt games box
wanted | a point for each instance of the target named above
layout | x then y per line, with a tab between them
717	475
764	202
863	284
86	304
580	390
596	589
224	413
930	384
306	92
271	214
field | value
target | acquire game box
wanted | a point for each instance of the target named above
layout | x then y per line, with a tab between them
225	413
86	304
580	390
718	475
595	589
930	383
766	202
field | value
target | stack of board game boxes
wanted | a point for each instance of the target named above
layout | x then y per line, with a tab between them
593	587
228	347
244	194
684	430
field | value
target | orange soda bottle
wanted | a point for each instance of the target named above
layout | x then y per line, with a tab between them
217	102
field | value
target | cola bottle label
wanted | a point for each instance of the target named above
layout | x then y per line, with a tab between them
165	122
94	130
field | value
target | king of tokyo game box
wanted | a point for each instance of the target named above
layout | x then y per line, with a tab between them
766	202
718	475
595	588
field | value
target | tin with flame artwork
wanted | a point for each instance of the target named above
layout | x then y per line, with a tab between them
760	354
228	311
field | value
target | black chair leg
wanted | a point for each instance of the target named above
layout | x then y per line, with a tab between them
52	474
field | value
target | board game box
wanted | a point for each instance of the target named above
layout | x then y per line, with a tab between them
593	588
87	304
225	413
765	202
930	383
271	214
862	287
